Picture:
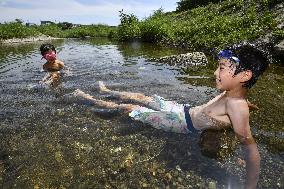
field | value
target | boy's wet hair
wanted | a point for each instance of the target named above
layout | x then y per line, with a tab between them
46	47
251	58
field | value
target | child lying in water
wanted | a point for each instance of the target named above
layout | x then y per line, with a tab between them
238	70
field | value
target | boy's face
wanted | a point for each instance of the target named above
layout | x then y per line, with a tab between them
50	55
225	78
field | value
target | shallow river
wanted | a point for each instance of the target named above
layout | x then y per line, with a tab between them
50	141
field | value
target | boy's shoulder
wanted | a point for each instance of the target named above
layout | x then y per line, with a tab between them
59	62
237	105
238	111
57	65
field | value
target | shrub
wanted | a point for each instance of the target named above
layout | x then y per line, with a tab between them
51	30
128	28
99	30
156	27
16	30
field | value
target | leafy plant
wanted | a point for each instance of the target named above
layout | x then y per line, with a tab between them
129	27
16	30
52	30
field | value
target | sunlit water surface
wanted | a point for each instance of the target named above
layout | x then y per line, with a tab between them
50	141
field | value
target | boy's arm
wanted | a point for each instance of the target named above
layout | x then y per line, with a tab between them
238	112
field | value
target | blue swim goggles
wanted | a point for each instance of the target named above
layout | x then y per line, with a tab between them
228	54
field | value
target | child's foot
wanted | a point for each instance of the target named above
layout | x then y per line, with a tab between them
103	87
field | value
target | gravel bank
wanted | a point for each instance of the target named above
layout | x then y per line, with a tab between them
27	40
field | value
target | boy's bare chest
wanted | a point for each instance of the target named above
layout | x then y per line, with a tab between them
217	110
51	66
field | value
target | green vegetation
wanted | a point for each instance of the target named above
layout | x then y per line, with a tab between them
129	27
195	24
211	25
18	30
278	34
184	5
90	30
51	30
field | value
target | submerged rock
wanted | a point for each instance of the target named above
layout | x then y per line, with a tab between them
217	144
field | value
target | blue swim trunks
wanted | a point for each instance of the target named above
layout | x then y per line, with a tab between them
162	114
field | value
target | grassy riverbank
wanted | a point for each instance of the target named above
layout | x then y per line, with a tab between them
18	30
208	26
205	26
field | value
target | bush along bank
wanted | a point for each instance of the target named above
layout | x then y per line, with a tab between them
20	31
206	27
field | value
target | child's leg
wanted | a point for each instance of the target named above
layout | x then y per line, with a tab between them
168	121
109	105
137	97
156	102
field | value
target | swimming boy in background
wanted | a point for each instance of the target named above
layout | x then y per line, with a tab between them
48	52
238	70
52	66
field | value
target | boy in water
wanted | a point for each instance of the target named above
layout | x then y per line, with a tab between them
48	52
52	66
238	70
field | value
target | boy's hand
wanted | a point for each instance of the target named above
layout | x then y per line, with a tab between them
241	162
252	106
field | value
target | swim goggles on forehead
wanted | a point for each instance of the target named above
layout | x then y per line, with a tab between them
228	54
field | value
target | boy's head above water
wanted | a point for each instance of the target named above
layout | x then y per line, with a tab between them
48	51
240	64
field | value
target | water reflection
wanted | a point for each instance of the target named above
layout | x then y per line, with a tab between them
147	50
48	143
